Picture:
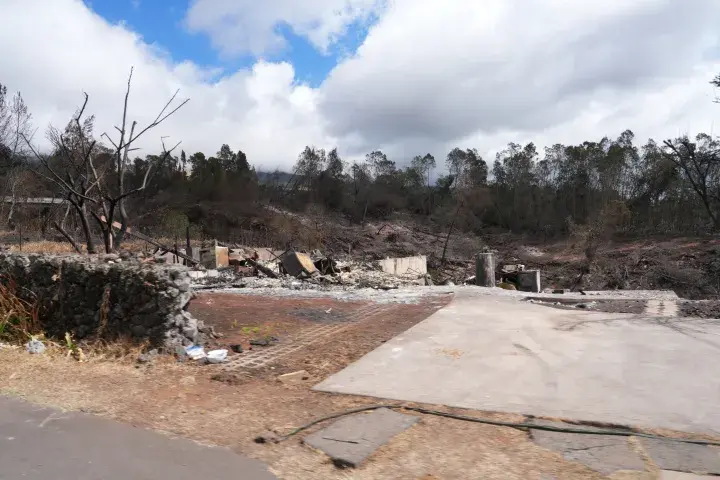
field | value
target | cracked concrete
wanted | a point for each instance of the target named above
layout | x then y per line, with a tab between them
603	453
683	457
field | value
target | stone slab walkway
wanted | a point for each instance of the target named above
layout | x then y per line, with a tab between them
350	440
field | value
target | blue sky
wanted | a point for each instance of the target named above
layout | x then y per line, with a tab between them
161	23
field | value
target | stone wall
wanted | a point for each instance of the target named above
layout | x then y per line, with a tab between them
107	297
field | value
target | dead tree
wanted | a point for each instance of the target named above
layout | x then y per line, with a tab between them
15	122
700	164
86	182
60	227
114	202
69	168
450	230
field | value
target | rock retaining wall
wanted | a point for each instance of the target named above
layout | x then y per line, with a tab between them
107	297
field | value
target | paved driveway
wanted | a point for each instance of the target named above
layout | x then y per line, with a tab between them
43	444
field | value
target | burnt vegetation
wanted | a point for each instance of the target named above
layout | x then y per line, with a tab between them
608	186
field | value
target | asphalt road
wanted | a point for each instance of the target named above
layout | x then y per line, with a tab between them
41	443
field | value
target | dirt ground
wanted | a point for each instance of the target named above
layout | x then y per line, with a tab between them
688	266
182	399
701	309
241	318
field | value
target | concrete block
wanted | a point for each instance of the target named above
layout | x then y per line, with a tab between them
529	280
350	440
683	457
405	266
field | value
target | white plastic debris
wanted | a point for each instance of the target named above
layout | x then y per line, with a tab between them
195	352
35	346
217	356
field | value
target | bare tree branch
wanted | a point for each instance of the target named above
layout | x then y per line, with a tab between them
71	240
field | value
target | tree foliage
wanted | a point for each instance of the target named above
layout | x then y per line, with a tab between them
618	184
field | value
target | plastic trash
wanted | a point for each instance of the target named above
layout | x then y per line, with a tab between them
35	346
217	356
195	352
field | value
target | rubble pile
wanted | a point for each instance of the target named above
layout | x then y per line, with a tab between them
300	271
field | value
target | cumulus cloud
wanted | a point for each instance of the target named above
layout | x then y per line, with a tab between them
53	51
251	26
428	76
480	69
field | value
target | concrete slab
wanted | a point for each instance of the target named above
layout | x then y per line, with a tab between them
683	457
492	352
603	453
350	440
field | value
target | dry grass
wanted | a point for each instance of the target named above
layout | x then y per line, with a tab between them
18	318
44	246
181	400
60	248
124	350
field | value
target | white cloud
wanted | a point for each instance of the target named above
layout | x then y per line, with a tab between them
427	78
250	26
482	69
61	48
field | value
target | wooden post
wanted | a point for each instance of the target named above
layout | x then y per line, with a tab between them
485	270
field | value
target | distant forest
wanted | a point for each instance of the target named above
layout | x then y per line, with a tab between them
668	186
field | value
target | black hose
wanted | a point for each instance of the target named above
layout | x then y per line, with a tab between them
518	425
